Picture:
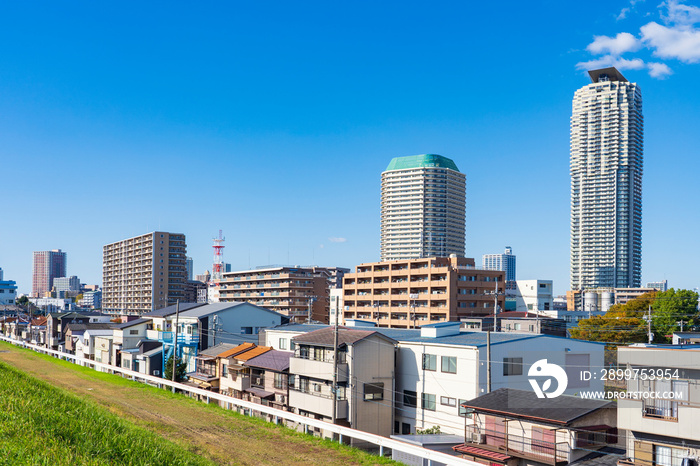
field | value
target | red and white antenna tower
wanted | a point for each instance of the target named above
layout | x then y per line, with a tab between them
218	268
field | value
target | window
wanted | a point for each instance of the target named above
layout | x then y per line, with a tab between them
449	364
280	380
405	428
462	410
429	362
374	391
283	343
428	401
133	332
224	370
410	398
447	401
512	366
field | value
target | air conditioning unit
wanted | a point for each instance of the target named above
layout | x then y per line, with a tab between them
156	372
477	437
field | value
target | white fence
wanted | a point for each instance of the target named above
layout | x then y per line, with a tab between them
378	440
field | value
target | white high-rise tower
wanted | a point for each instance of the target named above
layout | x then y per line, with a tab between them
607	145
423	208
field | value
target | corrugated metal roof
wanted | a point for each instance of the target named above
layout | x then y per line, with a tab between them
251	353
132	323
524	403
170	310
236	350
215	351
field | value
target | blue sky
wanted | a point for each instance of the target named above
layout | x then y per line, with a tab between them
274	120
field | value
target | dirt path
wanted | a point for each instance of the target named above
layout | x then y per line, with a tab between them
219	435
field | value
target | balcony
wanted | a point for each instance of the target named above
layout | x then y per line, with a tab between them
317	404
182	339
317	369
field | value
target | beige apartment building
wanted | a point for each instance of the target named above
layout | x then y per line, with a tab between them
144	273
413	293
298	292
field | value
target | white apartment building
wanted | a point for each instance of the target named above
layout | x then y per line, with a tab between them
422	208
661	431
607	131
533	295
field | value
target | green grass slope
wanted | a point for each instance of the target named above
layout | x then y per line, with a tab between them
41	424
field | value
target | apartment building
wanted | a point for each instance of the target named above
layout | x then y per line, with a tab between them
606	165
422	208
533	295
47	266
144	273
302	293
661	430
412	293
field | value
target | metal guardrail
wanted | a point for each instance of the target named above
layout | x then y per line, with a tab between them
378	440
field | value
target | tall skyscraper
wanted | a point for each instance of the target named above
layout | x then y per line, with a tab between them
144	273
423	205
47	266
505	262
607	132
189	264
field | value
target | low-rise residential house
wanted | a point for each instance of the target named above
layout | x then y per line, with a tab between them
516	428
238	378
56	323
85	347
661	424
201	326
364	397
103	348
686	338
208	368
531	322
74	334
269	379
145	358
127	337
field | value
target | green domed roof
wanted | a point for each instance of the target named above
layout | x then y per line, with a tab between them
420	161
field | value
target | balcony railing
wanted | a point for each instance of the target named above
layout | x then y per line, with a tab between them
182	339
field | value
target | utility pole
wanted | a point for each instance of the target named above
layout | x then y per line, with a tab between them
681	324
488	361
335	362
177	322
649	334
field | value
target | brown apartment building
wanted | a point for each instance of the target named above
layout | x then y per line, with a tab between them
144	273
416	292
287	290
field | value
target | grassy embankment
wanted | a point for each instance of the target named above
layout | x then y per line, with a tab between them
117	421
41	424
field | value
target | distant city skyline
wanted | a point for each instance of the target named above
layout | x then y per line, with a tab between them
274	124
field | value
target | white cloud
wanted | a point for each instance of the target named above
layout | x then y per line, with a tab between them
610	60
621	43
680	42
337	240
659	70
677	13
623	14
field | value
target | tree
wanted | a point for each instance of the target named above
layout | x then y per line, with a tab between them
669	309
621	324
180	373
22	301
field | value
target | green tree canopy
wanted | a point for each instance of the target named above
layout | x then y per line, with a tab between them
622	323
626	323
670	308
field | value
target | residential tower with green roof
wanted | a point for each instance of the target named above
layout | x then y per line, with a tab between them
422	208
